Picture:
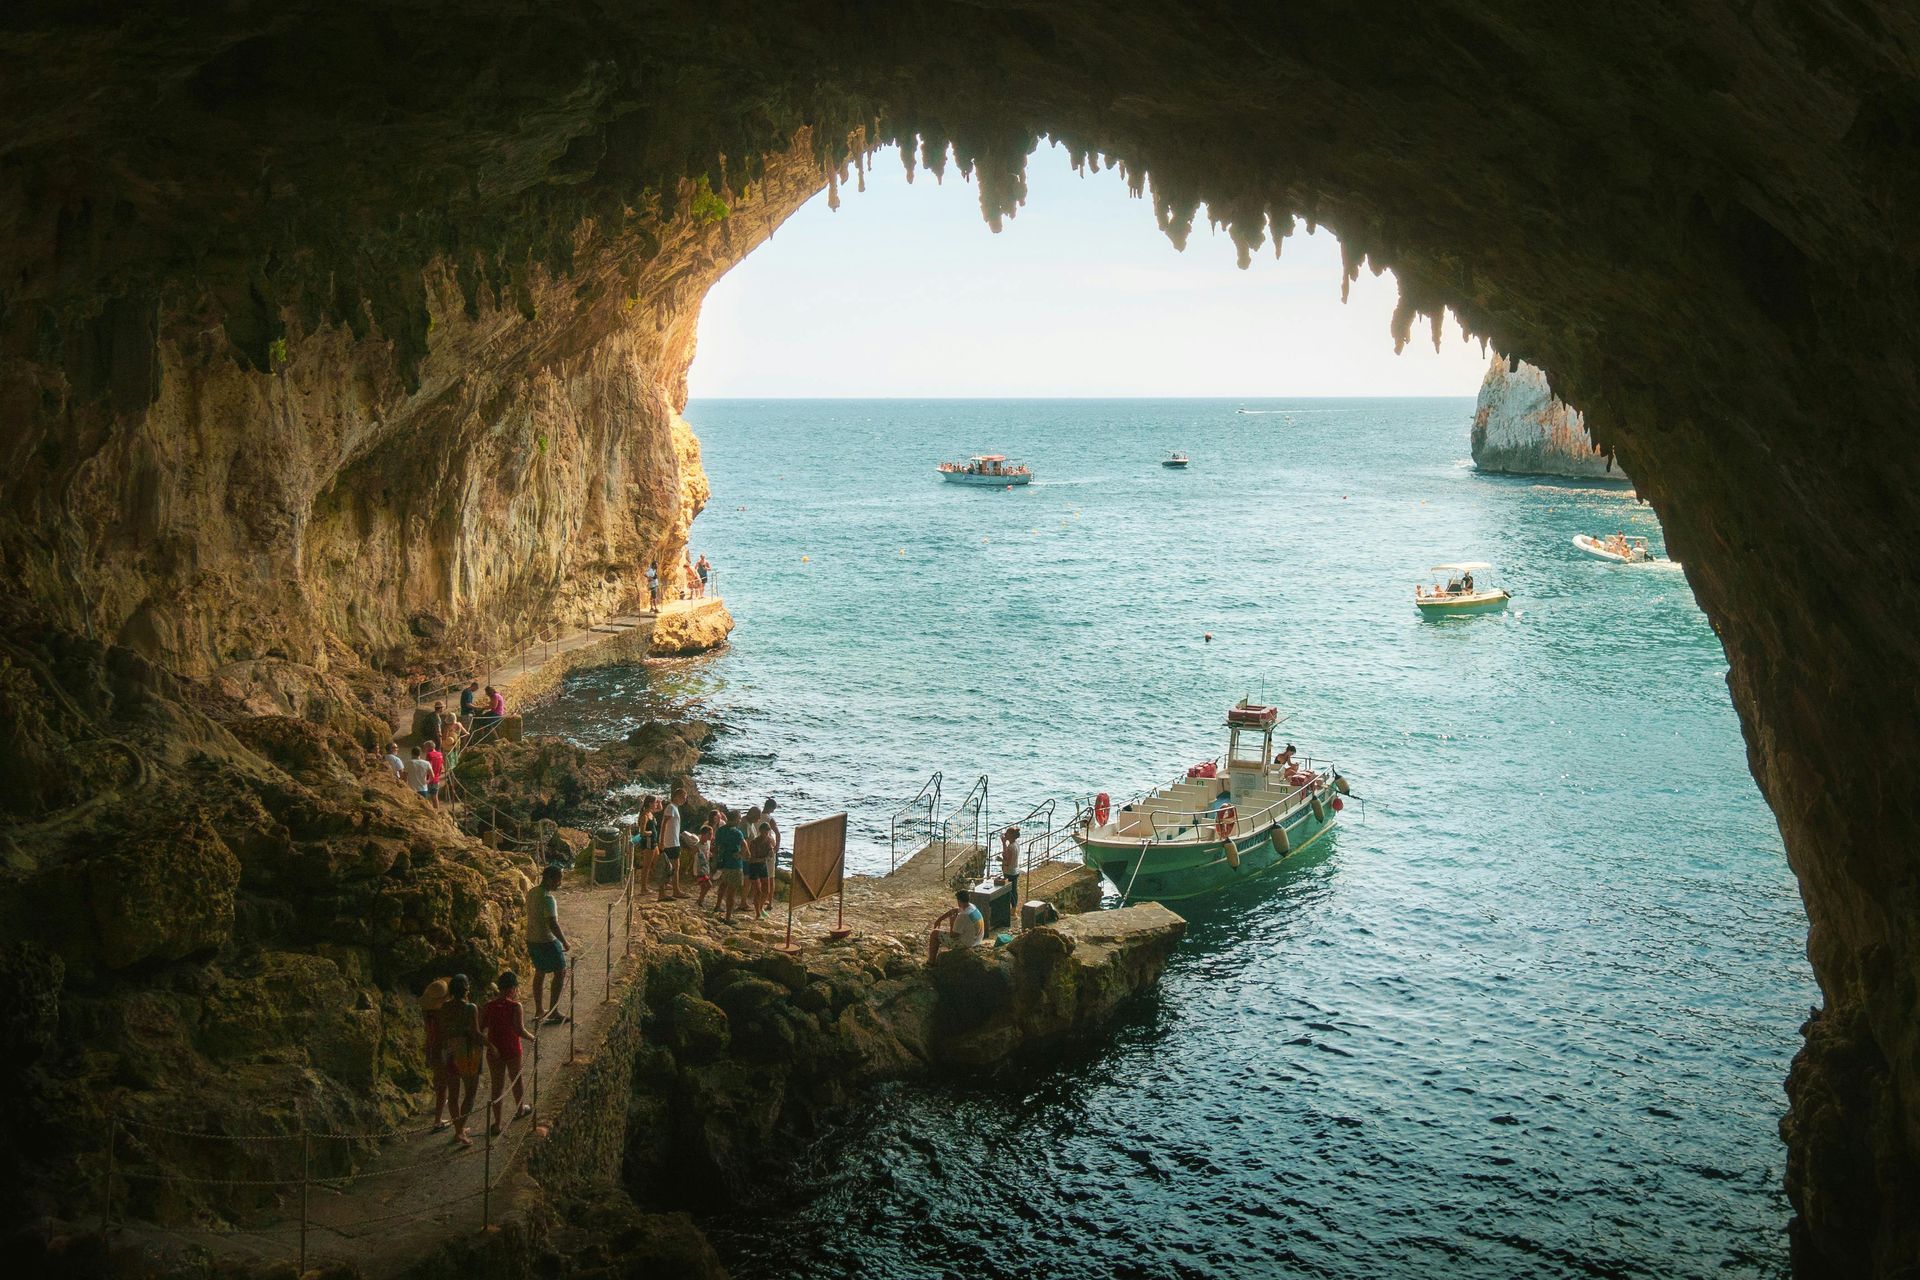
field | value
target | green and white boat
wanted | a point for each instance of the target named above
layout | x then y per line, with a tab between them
1228	820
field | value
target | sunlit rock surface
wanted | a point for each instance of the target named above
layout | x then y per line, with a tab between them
691	626
1521	427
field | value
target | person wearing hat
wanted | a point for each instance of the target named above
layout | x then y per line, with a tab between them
432	1001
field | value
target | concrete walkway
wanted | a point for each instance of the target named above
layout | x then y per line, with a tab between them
533	672
420	1191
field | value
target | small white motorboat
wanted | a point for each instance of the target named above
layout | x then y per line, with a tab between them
1176	460
1617	547
1455	592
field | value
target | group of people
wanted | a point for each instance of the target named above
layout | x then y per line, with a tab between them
424	767
461	1036
736	850
733	854
694	575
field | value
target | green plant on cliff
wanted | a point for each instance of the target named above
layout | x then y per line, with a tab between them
277	352
707	207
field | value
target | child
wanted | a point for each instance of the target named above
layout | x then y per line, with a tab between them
432	1001
505	1025
460	1025
703	864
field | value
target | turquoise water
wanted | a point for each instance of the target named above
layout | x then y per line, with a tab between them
1527	1015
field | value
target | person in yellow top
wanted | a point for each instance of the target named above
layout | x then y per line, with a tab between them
546	944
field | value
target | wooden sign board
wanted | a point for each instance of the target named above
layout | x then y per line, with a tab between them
819	859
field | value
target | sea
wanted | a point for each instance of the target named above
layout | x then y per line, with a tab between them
1527	1013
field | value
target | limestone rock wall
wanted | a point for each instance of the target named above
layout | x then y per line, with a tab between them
518	477
1521	427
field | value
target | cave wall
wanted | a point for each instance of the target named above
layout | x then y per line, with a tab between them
1698	216
519	475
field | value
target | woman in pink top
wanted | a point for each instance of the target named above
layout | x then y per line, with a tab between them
439	763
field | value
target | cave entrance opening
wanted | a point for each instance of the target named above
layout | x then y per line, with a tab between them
1560	808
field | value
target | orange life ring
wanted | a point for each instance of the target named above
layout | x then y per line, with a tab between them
1223	822
1102	807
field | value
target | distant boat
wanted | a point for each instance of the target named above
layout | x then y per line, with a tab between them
990	469
1618	548
1454	591
1176	460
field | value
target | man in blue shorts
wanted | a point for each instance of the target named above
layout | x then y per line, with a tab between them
546	944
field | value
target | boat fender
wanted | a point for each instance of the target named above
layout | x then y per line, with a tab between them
1224	820
1340	785
1102	807
1233	855
1319	808
1338	804
1280	841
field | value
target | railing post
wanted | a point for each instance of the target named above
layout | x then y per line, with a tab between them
306	1169
113	1140
486	1168
573	1003
608	999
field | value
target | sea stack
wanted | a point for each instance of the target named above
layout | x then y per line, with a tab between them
1520	427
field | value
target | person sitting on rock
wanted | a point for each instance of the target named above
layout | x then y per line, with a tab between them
546	944
496	704
966	927
469	697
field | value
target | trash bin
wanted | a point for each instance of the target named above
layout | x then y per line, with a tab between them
609	856
995	902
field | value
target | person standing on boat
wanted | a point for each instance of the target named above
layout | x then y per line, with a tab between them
1466	581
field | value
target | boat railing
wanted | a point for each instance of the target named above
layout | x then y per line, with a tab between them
913	824
1177	822
963	828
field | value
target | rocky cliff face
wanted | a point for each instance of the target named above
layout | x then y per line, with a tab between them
1521	427
519	471
231	240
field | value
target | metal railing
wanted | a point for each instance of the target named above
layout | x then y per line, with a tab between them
1050	855
967	819
914	822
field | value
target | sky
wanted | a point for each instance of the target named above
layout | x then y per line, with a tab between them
905	291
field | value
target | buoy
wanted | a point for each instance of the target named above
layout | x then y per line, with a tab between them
1338	804
805	559
1224	820
1102	806
1208	637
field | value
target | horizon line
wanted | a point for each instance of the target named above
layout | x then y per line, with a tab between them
1457	395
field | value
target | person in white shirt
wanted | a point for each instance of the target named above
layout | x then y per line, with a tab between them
419	773
669	819
966	927
394	762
